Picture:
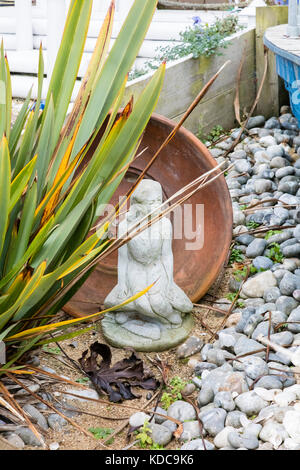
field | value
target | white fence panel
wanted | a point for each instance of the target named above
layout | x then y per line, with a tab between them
56	16
23	11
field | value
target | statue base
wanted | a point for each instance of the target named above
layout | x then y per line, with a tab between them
120	337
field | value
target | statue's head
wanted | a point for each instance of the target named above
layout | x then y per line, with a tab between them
148	193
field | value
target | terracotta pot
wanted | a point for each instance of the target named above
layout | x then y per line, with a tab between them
184	159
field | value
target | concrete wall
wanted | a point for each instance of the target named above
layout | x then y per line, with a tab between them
274	93
186	77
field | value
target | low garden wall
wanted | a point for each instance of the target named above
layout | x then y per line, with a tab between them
185	78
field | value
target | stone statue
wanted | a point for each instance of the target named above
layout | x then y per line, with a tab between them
159	319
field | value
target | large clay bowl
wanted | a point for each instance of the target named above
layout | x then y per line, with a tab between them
182	161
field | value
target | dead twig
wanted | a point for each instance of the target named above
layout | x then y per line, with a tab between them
294	357
264	229
56	377
269	334
215	309
79	411
71	421
237	93
232	304
243	128
250	353
75	365
19	410
198	419
203	324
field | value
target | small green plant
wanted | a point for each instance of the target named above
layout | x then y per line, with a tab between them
173	392
136	73
275	253
83	380
155	446
252	225
282	327
184	360
213	136
236	256
270	233
49	350
102	433
215	133
231	296
144	435
198	40
240	274
201	40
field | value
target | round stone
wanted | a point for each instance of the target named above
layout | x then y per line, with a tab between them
213	420
256	286
269	382
284	338
262	263
254	367
246	345
262	185
189	347
296	295
15	440
256	248
267	141
56	422
28	437
191	430
291	423
278	162
289	283
274	433
294	317
160	434
272	294
234	418
197	444
275	151
160	419
182	411
205	396
224	400
138	419
250	403
286	304
255	121
221	438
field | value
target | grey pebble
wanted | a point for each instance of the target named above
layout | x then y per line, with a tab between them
250	403
160	434
56	422
213	420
